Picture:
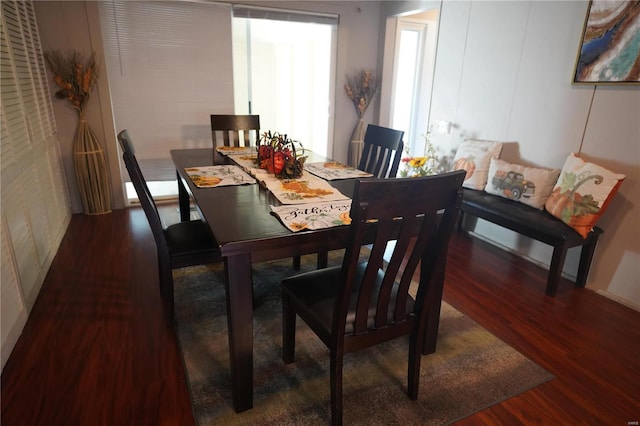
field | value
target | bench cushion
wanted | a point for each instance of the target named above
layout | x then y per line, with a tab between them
534	223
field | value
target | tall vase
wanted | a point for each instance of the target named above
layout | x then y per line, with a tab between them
357	143
91	171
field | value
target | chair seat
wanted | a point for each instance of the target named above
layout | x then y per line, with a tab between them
317	291
191	243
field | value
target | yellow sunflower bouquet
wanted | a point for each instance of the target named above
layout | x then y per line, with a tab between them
420	166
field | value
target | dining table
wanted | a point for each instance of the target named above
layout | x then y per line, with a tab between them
242	222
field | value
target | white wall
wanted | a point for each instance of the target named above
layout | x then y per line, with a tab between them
503	72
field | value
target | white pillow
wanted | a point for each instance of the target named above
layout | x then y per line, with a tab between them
474	156
528	185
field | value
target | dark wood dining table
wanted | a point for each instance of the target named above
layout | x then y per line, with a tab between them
241	221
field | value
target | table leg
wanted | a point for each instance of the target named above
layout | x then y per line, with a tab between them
239	291
183	200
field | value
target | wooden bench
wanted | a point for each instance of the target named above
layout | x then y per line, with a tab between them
536	224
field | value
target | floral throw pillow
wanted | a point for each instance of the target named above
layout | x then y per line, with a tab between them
528	185
582	193
474	157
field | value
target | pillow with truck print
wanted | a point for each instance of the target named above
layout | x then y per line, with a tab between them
474	156
582	193
528	185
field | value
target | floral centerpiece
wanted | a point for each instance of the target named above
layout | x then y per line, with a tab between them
421	166
277	154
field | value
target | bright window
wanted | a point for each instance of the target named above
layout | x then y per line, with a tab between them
284	72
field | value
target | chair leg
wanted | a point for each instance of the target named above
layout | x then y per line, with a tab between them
336	387
166	294
323	259
296	263
288	331
413	369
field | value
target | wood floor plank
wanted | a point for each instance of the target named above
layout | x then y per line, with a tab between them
95	349
590	343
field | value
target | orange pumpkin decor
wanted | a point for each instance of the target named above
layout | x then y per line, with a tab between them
558	203
581	210
467	164
571	206
277	154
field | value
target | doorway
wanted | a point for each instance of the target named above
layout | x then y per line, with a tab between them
409	62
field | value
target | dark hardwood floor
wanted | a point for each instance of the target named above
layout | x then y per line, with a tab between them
95	350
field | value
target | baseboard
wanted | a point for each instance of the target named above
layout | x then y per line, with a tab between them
618	299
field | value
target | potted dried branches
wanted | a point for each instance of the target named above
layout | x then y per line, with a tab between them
75	78
362	89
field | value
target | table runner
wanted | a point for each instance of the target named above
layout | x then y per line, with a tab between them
248	163
306	189
314	215
331	170
212	176
226	150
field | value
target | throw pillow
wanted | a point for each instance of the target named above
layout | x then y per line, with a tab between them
582	193
528	185
474	156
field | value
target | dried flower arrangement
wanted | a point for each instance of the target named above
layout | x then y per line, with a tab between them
277	154
75	76
362	89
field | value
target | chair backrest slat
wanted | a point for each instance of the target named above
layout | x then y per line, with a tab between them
229	130
381	151
418	215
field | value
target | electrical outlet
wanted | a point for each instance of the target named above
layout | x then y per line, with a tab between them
443	127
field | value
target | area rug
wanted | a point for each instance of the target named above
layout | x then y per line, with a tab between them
471	369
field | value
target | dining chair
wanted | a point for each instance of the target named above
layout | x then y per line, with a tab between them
363	303
179	245
381	157
229	130
381	151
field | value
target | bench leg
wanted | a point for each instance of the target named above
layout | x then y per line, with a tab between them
586	256
555	269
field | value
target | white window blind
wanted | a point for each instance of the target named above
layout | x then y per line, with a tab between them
169	65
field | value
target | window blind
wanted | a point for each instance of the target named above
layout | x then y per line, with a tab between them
256	12
169	65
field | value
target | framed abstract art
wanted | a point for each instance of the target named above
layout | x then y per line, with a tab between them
609	50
